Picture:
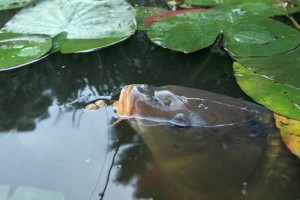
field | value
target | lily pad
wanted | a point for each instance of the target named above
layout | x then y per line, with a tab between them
12	4
185	32
204	2
142	12
253	35
266	7
18	49
279	97
290	132
245	34
284	68
86	25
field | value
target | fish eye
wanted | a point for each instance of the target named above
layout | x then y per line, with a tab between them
181	120
166	98
167	101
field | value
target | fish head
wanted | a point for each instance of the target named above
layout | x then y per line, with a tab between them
183	107
156	105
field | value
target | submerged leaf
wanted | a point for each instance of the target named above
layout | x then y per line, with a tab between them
278	96
290	132
29	193
4	191
18	49
87	25
26	192
12	4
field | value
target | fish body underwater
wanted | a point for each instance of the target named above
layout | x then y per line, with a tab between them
211	146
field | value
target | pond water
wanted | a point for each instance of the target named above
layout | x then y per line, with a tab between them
51	146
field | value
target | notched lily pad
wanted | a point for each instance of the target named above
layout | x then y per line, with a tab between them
87	25
18	49
12	4
245	34
277	96
253	35
266	7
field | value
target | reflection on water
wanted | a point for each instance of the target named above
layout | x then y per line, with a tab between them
49	142
27	92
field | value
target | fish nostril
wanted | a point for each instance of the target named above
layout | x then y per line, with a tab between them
181	120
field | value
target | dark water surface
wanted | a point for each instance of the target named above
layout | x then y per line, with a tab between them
49	142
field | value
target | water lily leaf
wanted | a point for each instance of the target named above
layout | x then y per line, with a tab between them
254	35
185	32
12	4
277	96
204	2
290	132
245	34
87	25
283	68
18	49
150	19
142	12
266	7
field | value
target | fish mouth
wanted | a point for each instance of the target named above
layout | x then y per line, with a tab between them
123	106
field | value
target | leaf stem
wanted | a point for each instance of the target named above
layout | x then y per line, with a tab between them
293	20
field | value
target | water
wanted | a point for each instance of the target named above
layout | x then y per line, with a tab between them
49	142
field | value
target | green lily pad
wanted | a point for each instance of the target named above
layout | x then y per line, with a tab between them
279	97
253	35
245	34
142	12
12	4
185	32
284	68
18	49
86	25
204	2
266	7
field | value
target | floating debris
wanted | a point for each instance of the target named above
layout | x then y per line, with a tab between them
101	103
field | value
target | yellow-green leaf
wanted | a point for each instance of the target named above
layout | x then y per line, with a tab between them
277	96
290	132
